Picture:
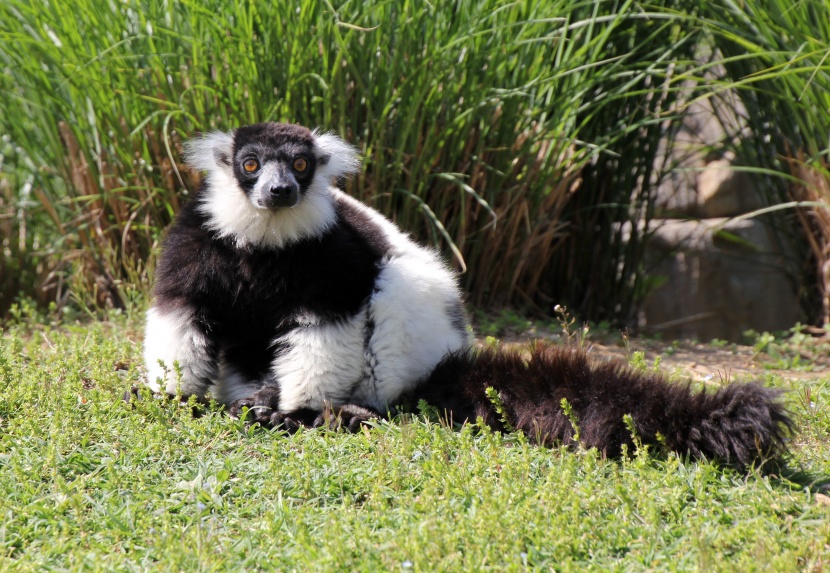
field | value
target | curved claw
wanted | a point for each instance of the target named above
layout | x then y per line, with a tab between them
262	408
288	422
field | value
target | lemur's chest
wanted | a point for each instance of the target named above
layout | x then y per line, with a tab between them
328	278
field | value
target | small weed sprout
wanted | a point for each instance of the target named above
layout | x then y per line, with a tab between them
427	410
638	360
571	415
177	370
661	440
639	447
579	335
501	409
166	372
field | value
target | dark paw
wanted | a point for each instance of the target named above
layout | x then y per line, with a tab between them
133	394
260	407
290	422
348	417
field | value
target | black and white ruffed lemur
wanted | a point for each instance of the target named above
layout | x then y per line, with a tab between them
279	294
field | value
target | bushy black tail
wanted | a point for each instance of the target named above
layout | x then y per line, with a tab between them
739	424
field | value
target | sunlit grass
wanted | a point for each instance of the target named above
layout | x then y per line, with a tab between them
89	483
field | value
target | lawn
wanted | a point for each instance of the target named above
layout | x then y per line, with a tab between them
88	483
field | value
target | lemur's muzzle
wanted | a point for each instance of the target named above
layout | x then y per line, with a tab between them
285	195
278	189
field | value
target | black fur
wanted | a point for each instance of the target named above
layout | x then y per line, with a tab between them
739	424
247	296
363	224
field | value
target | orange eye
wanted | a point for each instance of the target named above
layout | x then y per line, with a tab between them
250	165
300	164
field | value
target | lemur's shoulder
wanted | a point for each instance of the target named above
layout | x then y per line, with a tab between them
193	256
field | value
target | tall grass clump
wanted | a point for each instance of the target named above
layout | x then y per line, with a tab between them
628	114
518	137
479	122
775	59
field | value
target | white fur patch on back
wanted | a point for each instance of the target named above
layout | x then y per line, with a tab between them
416	311
171	339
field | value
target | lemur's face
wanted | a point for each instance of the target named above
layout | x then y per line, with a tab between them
274	164
269	184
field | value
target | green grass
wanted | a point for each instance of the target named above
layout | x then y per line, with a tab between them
90	484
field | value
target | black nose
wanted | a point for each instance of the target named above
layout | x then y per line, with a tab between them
283	195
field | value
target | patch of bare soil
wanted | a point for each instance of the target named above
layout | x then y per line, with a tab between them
702	362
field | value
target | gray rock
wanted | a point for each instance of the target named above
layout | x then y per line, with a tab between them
718	278
723	191
694	168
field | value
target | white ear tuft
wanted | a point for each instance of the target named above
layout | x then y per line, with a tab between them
209	151
336	157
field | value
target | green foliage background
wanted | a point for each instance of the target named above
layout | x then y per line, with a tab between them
516	136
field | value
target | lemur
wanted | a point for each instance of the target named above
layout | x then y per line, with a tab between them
293	304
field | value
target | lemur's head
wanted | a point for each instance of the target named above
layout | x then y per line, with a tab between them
268	184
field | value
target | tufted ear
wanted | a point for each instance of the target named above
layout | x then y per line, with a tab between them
335	157
209	151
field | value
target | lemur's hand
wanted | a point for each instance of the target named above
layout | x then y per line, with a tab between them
259	407
348	417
